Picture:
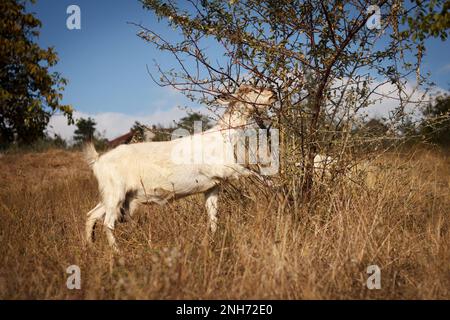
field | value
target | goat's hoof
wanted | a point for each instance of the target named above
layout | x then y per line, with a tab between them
115	249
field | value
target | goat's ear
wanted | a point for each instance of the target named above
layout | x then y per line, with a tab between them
245	88
223	99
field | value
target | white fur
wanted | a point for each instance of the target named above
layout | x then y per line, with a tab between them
322	164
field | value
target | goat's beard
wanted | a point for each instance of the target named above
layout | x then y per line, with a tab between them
260	122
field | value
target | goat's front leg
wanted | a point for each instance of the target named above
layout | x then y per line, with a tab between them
211	200
95	214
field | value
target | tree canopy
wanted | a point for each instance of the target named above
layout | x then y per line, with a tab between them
188	122
436	124
29	92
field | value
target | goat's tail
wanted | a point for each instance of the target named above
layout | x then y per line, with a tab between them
90	154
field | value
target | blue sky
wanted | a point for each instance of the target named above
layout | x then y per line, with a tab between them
105	64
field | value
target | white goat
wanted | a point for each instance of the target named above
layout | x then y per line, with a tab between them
322	164
362	171
134	174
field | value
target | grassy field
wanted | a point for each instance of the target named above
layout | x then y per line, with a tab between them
264	247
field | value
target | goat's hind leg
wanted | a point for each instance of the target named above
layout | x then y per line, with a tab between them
92	216
111	216
211	201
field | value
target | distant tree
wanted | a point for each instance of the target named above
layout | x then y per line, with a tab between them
409	131
29	93
188	121
137	127
85	130
58	141
375	127
100	142
162	133
436	123
142	133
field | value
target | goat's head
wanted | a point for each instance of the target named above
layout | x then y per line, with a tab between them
253	98
256	98
248	100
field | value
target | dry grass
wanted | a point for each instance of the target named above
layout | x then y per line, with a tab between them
263	248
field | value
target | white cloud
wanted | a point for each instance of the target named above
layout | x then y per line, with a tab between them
113	124
445	68
387	99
